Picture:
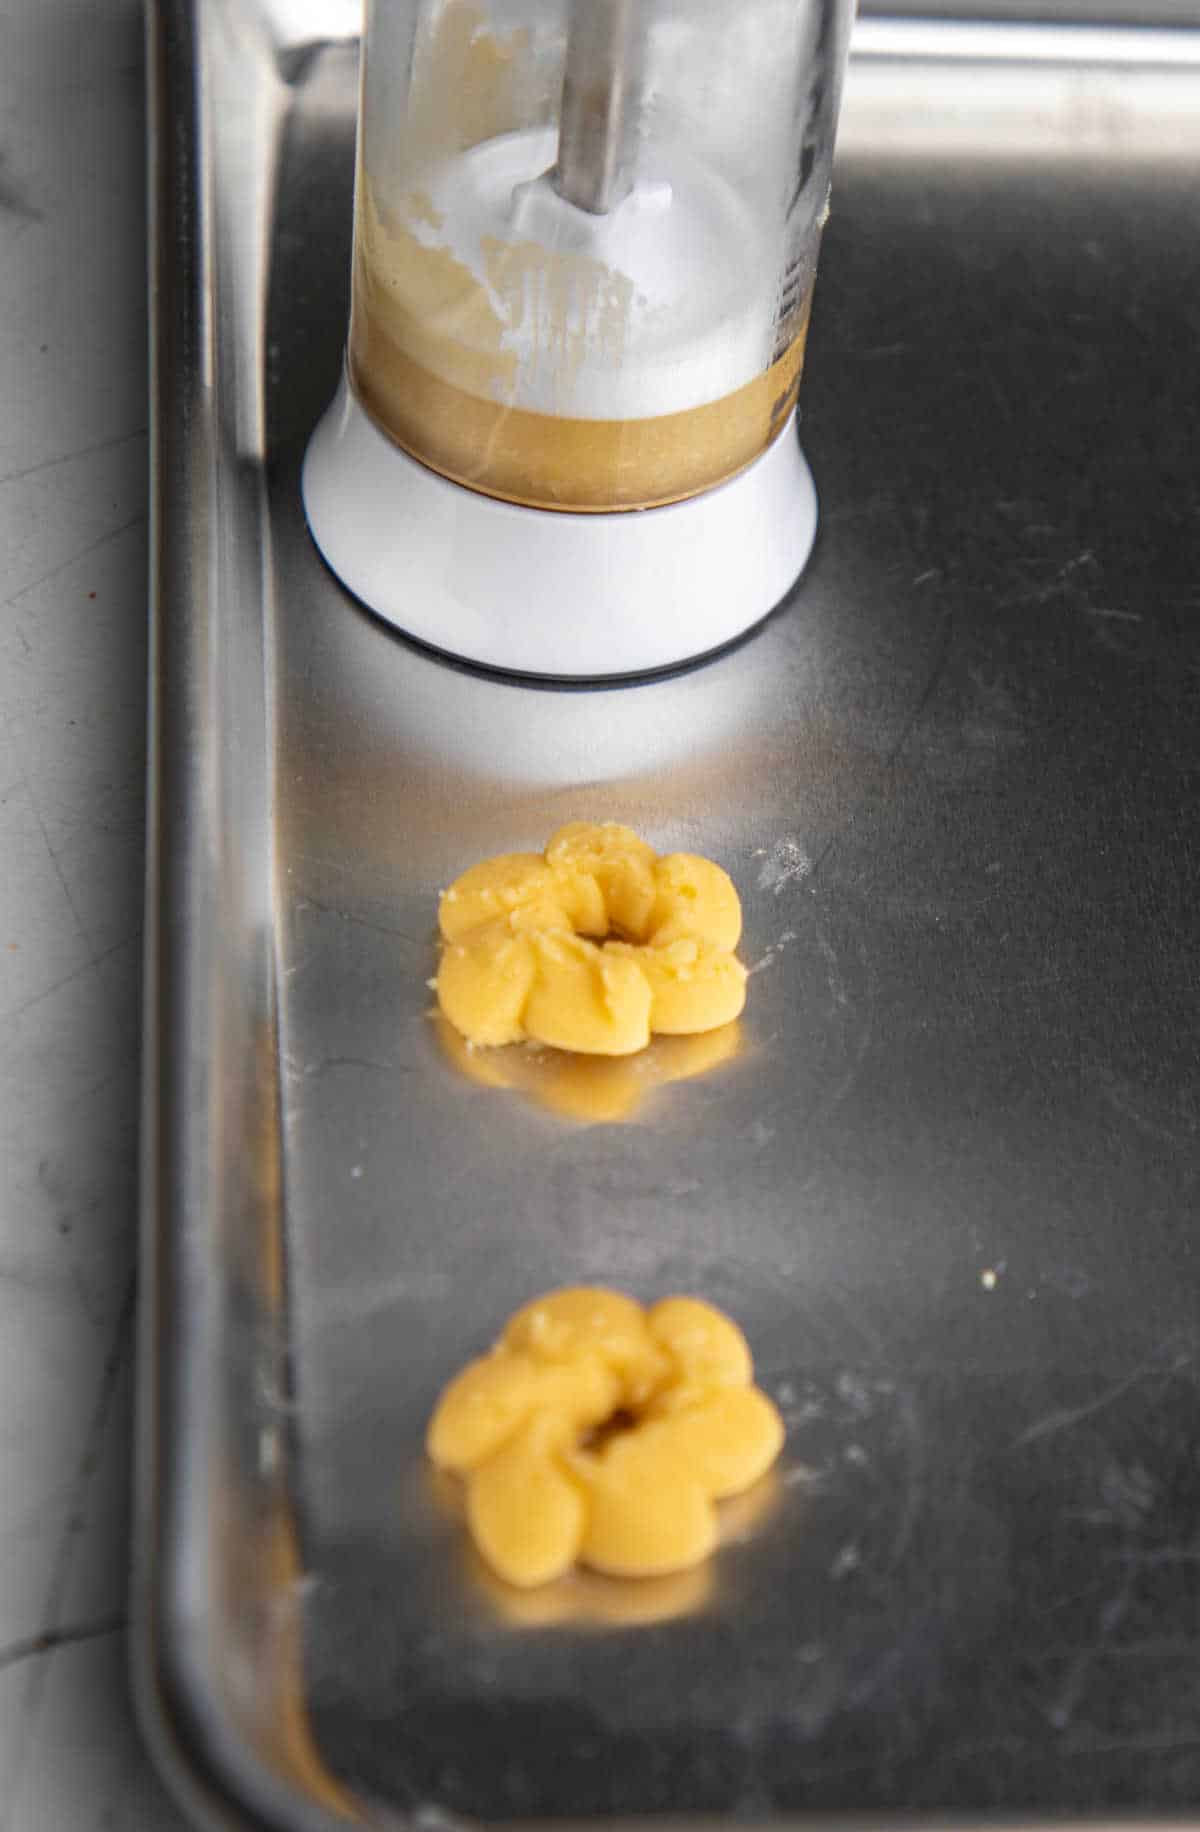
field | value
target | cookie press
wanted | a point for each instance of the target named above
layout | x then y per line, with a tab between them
585	241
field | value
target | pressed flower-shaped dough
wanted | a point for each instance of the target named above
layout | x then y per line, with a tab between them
599	1432
591	946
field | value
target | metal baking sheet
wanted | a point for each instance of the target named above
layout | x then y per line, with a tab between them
949	1180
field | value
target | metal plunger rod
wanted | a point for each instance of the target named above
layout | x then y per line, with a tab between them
598	116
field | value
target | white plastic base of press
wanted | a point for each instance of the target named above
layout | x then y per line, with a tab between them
544	592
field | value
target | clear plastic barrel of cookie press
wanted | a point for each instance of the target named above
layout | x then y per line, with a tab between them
586	236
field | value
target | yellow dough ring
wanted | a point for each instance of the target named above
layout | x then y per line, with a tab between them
591	946
599	1432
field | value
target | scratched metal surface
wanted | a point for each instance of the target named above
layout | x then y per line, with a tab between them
949	1184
